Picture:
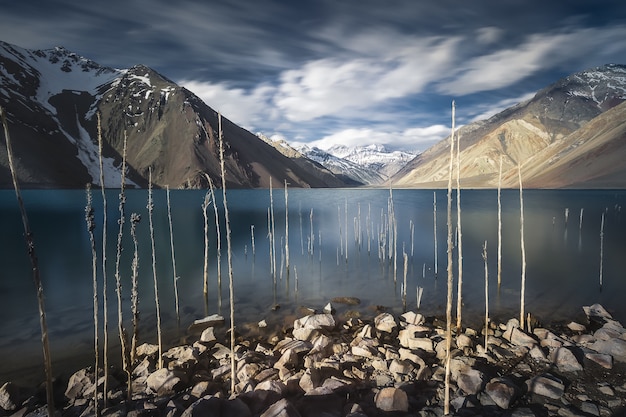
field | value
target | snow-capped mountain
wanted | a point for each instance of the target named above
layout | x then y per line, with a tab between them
52	96
360	174
373	157
570	134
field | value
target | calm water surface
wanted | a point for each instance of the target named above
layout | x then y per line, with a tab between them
563	260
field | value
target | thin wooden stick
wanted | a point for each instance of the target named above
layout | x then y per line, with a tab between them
286	228
205	269
219	240
233	369
500	224
486	297
175	275
30	244
446	405
435	228
523	249
601	249
91	226
118	281
134	297
154	271
105	303
459	248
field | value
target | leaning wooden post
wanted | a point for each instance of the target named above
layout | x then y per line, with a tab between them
601	249
523	249
446	405
30	244
134	297
435	228
205	269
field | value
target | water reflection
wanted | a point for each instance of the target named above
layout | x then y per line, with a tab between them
339	246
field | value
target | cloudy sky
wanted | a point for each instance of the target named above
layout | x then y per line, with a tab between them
337	71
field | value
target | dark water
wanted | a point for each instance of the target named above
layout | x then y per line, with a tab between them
563	260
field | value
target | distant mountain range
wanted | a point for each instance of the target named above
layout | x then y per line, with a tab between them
360	165
52	97
572	134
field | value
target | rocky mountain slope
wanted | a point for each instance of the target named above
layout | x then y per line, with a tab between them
52	98
567	135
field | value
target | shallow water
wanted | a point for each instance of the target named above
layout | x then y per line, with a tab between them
563	260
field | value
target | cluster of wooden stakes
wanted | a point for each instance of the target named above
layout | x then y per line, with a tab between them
128	348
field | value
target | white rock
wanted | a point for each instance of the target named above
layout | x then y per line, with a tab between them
392	399
315	321
163	382
385	322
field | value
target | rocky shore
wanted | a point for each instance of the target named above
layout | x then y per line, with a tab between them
328	364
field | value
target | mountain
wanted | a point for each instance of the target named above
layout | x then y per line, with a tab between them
52	98
570	134
342	167
374	158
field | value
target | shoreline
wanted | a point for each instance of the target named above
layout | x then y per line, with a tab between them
363	367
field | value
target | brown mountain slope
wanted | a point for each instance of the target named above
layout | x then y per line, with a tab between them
52	97
519	133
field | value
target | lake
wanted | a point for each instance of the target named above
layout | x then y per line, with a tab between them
335	249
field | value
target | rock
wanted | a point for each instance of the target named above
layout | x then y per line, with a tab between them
147	349
352	301
78	383
315	321
163	382
576	327
262	324
602	359
181	357
613	347
463	341
565	360
281	408
470	381
298	346
408	340
501	391
385	322
328	309
209	321
596	311
305	333
10	396
411	317
208	335
520	338
392	399
546	385
401	367
537	353
408	354
271	385
588	407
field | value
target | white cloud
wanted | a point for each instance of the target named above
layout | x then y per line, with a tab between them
246	108
539	52
338	86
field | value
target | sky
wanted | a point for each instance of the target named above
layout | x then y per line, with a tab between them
326	72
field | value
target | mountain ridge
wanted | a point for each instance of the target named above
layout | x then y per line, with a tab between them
52	97
520	133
